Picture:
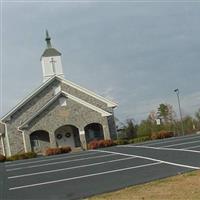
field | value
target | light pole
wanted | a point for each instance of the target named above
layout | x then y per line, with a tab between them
179	105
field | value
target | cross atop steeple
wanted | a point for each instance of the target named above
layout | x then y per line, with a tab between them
48	40
51	61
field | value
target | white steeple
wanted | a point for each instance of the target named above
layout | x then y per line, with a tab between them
51	61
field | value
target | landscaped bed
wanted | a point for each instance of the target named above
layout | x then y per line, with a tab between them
28	155
95	144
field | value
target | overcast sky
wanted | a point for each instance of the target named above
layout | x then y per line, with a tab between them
133	53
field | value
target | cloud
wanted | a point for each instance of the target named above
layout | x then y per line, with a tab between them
134	55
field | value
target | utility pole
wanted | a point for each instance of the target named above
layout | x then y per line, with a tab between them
179	105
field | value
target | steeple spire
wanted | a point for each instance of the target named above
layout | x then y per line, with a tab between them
51	61
48	40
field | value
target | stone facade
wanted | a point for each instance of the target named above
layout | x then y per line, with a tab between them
25	112
54	116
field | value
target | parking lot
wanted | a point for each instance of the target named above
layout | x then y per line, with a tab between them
83	174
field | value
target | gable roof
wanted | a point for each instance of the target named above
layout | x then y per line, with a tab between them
52	100
95	108
26	99
46	83
51	52
89	92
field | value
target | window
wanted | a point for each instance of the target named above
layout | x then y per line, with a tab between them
63	101
56	89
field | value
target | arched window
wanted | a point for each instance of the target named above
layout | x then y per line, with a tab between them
39	140
93	131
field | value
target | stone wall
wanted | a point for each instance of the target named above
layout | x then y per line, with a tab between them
112	127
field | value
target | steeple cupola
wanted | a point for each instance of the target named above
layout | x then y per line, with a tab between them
51	61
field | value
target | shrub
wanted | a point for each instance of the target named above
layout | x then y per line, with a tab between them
139	139
22	156
161	135
100	144
52	151
57	150
2	158
109	143
154	136
93	144
65	149
121	142
30	155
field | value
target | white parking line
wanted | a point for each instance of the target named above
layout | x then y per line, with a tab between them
75	167
192	147
179	144
152	159
55	163
47	159
162	148
84	176
172	139
168	139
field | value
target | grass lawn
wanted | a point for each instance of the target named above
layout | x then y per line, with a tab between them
181	187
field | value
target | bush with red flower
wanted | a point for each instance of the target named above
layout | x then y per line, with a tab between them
95	144
162	135
57	150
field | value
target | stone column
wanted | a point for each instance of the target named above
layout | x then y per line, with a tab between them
83	139
52	140
106	131
27	142
24	141
2	144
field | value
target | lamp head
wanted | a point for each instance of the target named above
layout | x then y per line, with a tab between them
176	90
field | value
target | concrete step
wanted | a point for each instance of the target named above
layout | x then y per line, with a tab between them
77	149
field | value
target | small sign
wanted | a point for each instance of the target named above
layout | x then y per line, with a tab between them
158	121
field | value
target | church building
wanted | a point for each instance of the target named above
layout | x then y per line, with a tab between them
58	113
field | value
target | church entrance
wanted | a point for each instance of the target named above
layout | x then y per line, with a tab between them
67	135
94	131
39	141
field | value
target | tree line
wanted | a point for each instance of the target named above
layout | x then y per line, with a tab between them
163	119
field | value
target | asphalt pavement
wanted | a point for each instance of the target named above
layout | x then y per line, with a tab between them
83	174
